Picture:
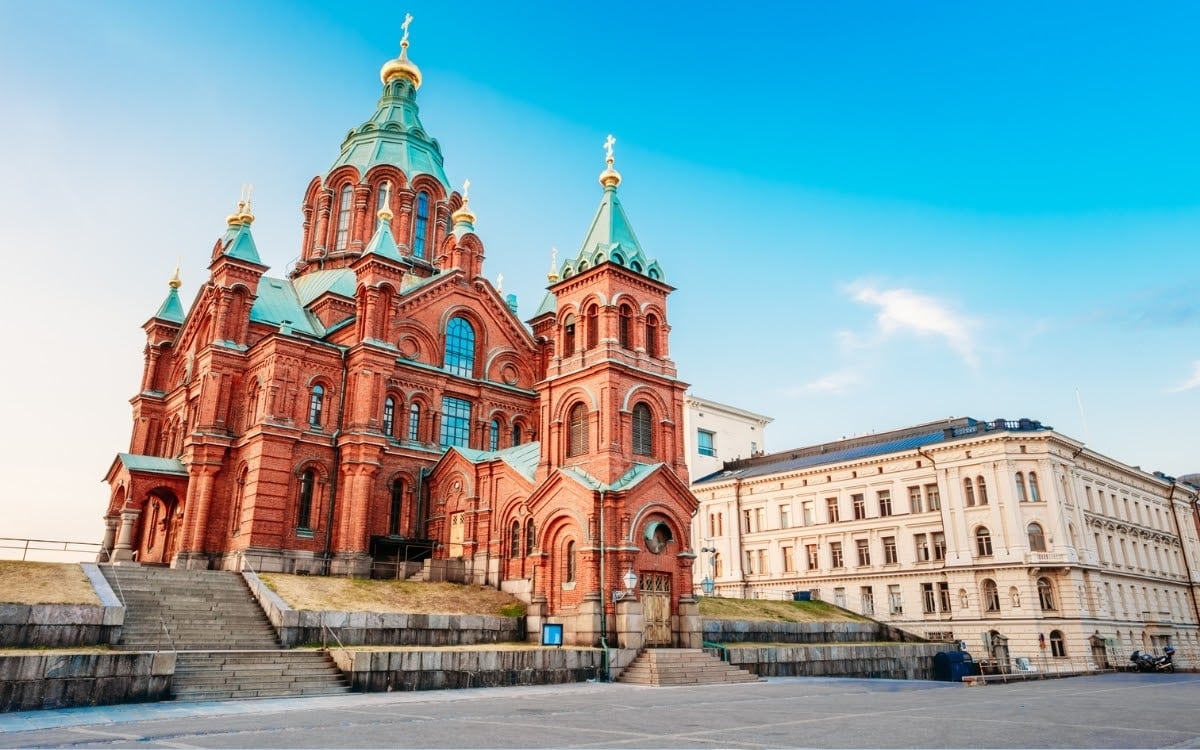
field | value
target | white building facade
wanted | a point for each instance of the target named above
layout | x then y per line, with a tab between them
1007	535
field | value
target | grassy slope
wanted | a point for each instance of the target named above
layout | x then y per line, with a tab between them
44	583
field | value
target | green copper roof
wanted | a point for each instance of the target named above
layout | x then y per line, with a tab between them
313	284
611	238
394	135
549	305
627	480
523	458
239	243
152	464
383	243
171	309
279	304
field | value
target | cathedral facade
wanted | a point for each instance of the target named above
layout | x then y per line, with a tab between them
382	404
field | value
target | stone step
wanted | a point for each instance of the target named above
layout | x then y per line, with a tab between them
682	667
218	695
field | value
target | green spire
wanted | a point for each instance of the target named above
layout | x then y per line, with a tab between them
238	242
171	310
611	237
382	242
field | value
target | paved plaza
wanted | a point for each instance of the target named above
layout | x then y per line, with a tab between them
1114	710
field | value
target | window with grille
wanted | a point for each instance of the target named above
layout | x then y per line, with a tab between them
456	422
642	432
460	348
421	225
577	437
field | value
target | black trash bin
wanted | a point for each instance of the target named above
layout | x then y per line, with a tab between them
801	596
953	666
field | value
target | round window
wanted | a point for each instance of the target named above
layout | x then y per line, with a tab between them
658	535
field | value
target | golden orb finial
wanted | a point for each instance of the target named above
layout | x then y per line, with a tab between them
609	177
464	212
246	216
385	202
175	281
401	67
553	275
242	214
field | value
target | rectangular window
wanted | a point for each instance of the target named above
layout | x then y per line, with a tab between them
914	500
706	443
835	554
785	516
760	522
839	597
885	502
860	506
456	422
922	547
808	513
746	528
810	551
789	562
831	505
944	596
749	563
895	599
928	601
939	545
889	551
868	600
763	566
864	552
933	498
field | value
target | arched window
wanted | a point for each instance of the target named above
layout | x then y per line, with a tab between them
968	492
1021	488
414	422
983	542
991	596
514	540
530	537
460	347
625	331
1037	539
516	434
1046	594
381	198
716	563
569	576
397	506
593	327
421	225
1058	647
389	415
568	345
238	498
316	405
494	435
577	437
981	490
341	237
1034	495
651	336
308	481
642	432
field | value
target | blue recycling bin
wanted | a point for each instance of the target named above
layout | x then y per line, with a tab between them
801	596
953	666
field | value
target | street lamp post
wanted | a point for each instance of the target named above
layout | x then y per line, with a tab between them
708	585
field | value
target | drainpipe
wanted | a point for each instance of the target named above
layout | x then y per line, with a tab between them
337	461
1187	569
737	519
603	600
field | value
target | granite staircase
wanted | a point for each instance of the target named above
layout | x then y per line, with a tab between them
681	666
226	647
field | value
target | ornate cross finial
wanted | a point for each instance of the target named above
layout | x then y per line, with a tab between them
386	189
466	189
407	21
608	144
249	195
553	275
500	283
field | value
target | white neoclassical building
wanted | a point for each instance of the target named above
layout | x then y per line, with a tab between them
1007	535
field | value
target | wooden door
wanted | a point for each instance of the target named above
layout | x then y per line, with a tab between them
656	608
457	529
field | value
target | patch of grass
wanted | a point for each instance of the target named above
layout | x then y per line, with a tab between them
44	583
367	595
721	608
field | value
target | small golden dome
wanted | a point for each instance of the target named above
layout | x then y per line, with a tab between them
464	212
175	281
235	218
401	67
609	177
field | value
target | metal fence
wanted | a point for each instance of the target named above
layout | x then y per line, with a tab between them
47	550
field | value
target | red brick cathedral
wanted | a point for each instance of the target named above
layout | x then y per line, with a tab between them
382	408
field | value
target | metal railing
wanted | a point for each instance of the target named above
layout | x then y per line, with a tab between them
48	550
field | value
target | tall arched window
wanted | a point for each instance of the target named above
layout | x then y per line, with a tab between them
568	345
316	405
308	481
238	498
569	575
514	540
1037	539
577	437
1034	495
593	327
1021	497
983	541
530	537
642	432
1046	594
460	347
389	415
341	237
968	492
421	225
516	434
414	422
1058	647
494	435
651	336
625	331
397	506
991	596
981	489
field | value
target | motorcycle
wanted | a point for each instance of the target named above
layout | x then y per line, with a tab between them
1150	663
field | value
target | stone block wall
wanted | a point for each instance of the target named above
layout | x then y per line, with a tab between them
736	631
41	680
895	661
381	671
64	625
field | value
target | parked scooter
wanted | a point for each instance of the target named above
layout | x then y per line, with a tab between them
1151	663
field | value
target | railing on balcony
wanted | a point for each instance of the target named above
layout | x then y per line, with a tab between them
1063	557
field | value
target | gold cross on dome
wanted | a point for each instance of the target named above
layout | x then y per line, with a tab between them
608	144
407	21
466	189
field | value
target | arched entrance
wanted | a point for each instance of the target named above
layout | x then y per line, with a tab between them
158	542
655	593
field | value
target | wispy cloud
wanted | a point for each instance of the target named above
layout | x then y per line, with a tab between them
1190	383
906	310
834	382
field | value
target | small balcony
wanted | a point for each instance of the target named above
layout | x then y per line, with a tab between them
1051	559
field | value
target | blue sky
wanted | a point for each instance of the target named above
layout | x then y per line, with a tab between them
876	214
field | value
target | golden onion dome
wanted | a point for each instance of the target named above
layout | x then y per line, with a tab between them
401	67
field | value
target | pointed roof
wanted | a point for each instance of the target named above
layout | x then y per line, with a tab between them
171	310
239	243
522	458
382	242
611	236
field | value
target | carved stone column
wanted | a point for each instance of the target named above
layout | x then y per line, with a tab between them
124	550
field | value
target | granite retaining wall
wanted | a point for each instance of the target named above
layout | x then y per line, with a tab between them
737	631
64	625
895	661
417	669
302	626
41	680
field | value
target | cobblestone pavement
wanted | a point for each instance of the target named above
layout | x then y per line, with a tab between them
1115	710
